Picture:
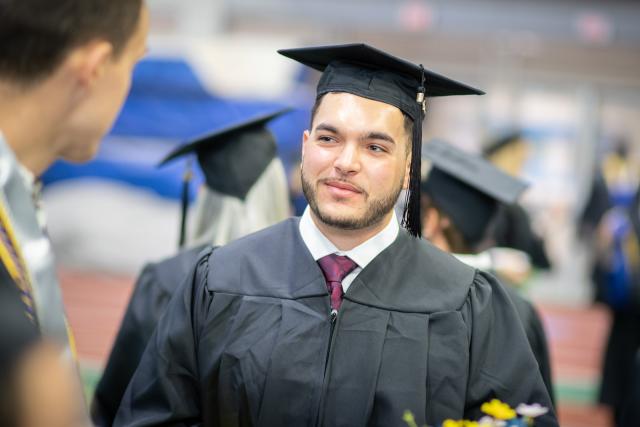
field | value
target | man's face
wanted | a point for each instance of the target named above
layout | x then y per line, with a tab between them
355	161
96	112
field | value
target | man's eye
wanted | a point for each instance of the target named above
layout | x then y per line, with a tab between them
376	148
325	138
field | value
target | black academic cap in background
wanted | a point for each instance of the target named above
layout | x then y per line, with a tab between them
368	72
467	188
233	158
497	144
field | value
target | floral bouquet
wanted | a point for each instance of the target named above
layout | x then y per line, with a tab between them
498	414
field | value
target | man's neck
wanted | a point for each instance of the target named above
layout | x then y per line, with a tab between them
345	240
29	122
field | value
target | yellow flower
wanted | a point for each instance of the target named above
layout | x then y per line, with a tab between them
498	410
409	419
459	423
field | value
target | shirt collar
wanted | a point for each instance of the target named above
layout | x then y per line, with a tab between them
481	261
27	177
363	254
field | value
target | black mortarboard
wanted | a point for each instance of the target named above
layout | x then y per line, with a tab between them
232	158
499	143
467	188
364	71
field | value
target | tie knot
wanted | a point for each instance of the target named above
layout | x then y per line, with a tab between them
336	267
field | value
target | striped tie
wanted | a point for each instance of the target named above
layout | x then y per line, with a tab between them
12	259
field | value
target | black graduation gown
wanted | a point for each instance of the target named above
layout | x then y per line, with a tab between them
534	330
630	411
598	203
249	341
151	294
17	335
513	230
5	277
623	342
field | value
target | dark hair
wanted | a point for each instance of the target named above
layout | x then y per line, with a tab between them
454	237
36	35
408	122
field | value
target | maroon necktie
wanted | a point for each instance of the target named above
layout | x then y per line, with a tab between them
335	269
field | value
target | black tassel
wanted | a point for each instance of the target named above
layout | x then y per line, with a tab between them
186	180
411	218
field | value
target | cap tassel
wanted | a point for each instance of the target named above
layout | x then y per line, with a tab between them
420	96
411	220
186	180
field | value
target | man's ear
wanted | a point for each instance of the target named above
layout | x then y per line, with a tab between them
87	62
305	138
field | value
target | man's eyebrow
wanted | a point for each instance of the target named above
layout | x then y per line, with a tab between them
327	127
378	135
382	136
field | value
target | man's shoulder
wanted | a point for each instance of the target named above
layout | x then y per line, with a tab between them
169	272
429	261
424	279
273	262
284	233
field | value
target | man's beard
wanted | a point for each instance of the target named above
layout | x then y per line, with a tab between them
374	213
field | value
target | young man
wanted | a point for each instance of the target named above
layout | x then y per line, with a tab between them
65	69
340	317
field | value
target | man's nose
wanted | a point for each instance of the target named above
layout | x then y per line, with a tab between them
348	160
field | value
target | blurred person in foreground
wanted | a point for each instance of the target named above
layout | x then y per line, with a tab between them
462	197
339	317
65	69
37	383
245	190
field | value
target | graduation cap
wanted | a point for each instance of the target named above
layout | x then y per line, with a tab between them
365	71
467	188
499	143
232	158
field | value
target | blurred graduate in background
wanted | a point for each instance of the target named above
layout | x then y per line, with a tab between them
463	197
513	228
616	276
245	190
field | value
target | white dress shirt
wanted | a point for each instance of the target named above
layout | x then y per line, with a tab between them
363	254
